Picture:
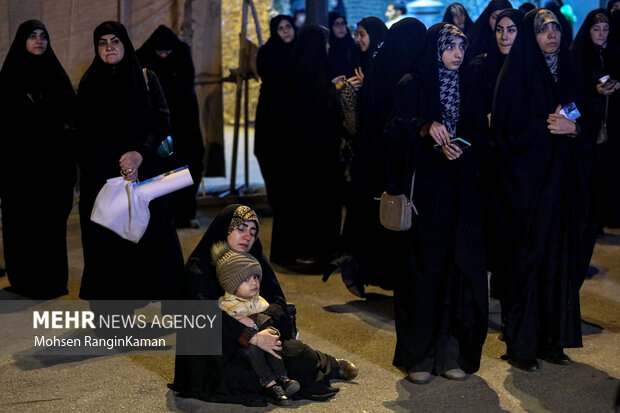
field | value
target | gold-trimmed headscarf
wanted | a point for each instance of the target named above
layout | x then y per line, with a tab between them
243	213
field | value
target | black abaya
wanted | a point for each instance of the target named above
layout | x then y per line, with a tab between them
440	299
543	200
176	76
37	165
227	378
377	32
596	62
117	114
343	56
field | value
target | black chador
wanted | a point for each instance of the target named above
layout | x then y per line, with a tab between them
544	198
118	114
37	166
440	296
174	68
481	36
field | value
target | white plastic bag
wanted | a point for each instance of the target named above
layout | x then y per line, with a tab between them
123	207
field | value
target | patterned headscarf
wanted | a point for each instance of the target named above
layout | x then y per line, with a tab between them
242	214
449	95
456	9
542	18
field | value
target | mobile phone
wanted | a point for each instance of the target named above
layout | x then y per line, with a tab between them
570	111
460	142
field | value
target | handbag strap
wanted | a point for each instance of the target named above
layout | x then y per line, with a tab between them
411	194
606	108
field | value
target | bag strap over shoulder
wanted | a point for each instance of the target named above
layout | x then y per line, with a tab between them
411	194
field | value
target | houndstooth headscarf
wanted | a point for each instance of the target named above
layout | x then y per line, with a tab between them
449	96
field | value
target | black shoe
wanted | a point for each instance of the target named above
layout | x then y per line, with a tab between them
558	358
275	395
289	386
530	365
346	370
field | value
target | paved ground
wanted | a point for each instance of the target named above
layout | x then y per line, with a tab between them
336	322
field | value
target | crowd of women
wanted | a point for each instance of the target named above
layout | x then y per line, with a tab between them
502	131
499	129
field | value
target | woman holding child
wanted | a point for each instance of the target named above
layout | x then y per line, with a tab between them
228	378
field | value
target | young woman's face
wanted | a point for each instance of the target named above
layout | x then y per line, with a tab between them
285	31
459	18
242	238
362	38
37	42
339	28
493	18
249	288
599	33
548	38
111	49
452	57
505	33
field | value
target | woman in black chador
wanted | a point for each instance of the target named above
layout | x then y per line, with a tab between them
343	53
544	200
371	33
365	241
440	296
37	163
482	35
598	54
227	378
311	162
457	15
121	123
171	60
271	133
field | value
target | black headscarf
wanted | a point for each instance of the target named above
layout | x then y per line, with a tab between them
614	20
486	67
163	38
23	72
481	36
447	16
377	31
343	53
526	88
273	58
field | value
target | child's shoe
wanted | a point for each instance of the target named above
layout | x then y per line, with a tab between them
289	386
275	395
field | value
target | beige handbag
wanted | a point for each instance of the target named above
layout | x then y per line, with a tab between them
395	211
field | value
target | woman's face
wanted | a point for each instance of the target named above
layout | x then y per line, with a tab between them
285	31
548	38
111	49
458	17
505	33
493	18
599	33
36	43
362	38
339	28
452	57
242	238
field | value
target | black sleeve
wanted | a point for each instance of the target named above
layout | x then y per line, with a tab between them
160	117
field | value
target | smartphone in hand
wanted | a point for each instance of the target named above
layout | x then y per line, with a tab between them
460	142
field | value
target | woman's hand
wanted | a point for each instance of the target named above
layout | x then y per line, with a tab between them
439	132
560	124
608	87
355	82
339	79
129	163
268	340
359	74
451	151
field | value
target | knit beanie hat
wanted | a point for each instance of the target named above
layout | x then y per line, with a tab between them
233	267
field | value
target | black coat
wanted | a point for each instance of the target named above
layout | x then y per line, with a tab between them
37	163
544	199
117	114
444	265
228	378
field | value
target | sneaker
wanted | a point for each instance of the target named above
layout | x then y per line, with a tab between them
289	386
275	395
